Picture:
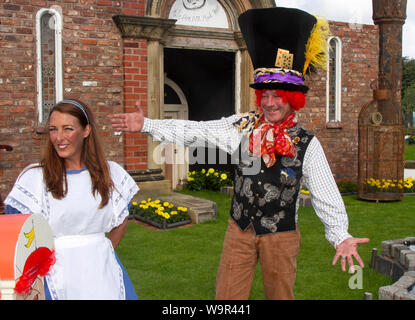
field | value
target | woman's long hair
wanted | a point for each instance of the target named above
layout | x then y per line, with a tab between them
92	155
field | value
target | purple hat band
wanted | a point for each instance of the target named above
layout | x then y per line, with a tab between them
279	77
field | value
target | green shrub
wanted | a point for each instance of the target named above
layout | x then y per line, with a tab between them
208	180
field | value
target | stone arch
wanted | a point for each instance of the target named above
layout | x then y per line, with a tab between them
161	8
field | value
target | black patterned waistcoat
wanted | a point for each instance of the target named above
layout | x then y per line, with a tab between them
267	200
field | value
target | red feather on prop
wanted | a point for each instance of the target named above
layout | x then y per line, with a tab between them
38	263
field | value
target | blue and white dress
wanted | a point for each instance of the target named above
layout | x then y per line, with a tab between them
86	264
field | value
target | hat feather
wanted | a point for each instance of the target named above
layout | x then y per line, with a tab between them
317	48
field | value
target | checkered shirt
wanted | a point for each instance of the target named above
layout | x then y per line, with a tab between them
317	176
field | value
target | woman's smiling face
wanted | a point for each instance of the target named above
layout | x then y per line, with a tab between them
67	137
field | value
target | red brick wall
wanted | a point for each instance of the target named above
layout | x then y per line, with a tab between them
359	69
92	53
135	89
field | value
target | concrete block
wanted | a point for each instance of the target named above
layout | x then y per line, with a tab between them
304	200
386	247
403	254
409	296
410	262
405	282
198	216
400	295
387	292
227	190
396	250
152	189
410	274
200	210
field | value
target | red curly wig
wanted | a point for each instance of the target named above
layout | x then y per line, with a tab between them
296	99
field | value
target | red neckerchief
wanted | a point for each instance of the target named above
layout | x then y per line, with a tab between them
273	139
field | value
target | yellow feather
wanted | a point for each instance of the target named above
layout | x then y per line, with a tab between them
317	48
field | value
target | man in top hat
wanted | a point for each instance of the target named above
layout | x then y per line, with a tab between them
276	155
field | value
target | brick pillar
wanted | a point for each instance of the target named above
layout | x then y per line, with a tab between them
143	64
135	89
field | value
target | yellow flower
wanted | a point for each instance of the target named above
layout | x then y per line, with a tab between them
211	170
173	213
304	191
216	174
143	201
182	209
166	215
223	176
190	179
166	204
149	200
203	171
134	203
171	205
193	172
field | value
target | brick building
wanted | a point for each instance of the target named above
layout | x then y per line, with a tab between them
170	55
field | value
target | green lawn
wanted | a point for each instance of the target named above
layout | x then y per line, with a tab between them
182	263
409	151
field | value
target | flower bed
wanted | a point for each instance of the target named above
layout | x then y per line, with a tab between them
209	179
162	215
388	185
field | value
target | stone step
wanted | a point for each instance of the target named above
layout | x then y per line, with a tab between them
152	189
200	210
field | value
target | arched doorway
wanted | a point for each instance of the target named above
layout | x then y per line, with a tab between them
177	159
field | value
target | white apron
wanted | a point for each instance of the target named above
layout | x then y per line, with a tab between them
86	266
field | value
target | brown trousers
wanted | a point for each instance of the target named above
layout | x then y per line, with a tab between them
277	254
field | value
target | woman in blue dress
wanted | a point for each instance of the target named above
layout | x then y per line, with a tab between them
85	200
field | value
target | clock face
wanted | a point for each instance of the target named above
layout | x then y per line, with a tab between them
193	4
201	13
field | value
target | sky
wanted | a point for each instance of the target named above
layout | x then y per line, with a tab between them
355	12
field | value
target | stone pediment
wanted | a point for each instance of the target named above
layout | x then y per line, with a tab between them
140	27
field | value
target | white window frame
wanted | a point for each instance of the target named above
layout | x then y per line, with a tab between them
338	93
58	57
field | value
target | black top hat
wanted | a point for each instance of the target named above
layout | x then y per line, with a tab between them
284	44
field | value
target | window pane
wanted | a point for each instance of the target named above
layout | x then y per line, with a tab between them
48	62
332	80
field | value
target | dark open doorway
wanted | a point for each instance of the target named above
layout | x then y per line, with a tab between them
207	78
